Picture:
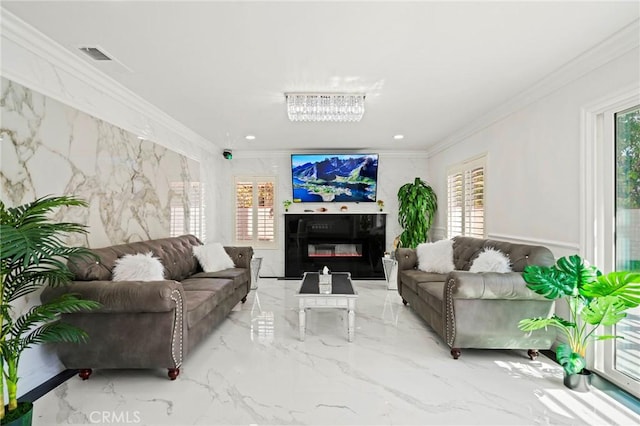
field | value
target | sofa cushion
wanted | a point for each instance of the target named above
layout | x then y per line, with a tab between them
411	278
213	257
240	276
138	267
200	303
433	294
436	257
208	284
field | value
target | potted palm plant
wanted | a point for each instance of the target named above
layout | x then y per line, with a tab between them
593	300
417	207
33	254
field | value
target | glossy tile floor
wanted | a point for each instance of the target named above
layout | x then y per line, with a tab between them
253	370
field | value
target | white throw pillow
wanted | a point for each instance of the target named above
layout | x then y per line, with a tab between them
213	257
138	267
491	260
436	257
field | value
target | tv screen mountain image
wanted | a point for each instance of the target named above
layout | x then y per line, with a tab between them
334	177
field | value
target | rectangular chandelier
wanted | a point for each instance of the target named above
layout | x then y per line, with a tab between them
338	107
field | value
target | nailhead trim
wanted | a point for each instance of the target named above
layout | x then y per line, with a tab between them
177	327
450	326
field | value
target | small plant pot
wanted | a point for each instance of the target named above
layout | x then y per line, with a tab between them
580	382
25	415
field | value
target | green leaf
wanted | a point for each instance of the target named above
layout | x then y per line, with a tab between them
577	270
624	284
607	310
572	362
548	281
417	206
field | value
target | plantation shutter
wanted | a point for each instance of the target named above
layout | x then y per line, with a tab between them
265	212
474	202
244	211
255	211
454	204
187	209
465	199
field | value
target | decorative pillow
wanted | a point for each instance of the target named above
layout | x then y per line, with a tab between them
491	260
213	257
436	257
138	267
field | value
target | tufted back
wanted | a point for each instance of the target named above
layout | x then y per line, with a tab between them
466	249
176	254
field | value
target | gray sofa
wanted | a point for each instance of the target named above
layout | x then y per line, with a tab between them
478	310
152	324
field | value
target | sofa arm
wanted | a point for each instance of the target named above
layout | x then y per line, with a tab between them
241	256
407	258
489	285
123	296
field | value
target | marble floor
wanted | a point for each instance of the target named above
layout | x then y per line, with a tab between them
253	370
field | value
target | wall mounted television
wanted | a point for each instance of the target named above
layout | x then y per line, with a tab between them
334	177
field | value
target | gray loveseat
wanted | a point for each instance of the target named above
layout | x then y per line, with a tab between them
152	324
478	310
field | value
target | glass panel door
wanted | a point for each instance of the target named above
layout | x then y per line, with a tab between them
626	353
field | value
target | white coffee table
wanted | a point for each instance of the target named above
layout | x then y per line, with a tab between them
342	296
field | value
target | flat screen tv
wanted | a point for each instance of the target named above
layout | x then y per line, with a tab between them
334	177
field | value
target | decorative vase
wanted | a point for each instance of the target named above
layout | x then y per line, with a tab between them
580	382
23	419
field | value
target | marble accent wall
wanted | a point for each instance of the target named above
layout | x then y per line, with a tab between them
51	148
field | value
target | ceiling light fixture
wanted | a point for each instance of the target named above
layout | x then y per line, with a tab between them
339	107
250	137
398	137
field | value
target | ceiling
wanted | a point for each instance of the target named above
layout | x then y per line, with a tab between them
428	68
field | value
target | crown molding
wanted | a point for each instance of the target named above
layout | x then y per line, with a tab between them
606	51
61	60
281	153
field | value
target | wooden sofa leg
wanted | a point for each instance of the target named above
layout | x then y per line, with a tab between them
533	354
173	373
405	302
455	353
244	299
84	373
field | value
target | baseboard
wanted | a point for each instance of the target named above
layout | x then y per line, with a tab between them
36	393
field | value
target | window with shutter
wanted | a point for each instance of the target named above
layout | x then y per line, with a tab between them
255	211
187	209
465	199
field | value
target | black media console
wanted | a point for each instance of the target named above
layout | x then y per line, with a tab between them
343	242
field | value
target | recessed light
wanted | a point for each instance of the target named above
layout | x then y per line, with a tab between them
398	137
250	137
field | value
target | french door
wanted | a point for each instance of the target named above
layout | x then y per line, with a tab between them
618	360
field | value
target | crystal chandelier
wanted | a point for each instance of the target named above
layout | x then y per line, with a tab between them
325	106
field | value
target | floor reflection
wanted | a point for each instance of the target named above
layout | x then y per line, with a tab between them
262	322
390	310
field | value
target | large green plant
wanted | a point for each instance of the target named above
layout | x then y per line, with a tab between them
593	299
417	207
33	254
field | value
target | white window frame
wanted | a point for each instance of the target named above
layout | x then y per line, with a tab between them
255	242
597	215
463	167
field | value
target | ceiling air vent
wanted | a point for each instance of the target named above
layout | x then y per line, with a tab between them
95	53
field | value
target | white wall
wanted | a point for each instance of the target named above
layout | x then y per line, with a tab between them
394	170
533	165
